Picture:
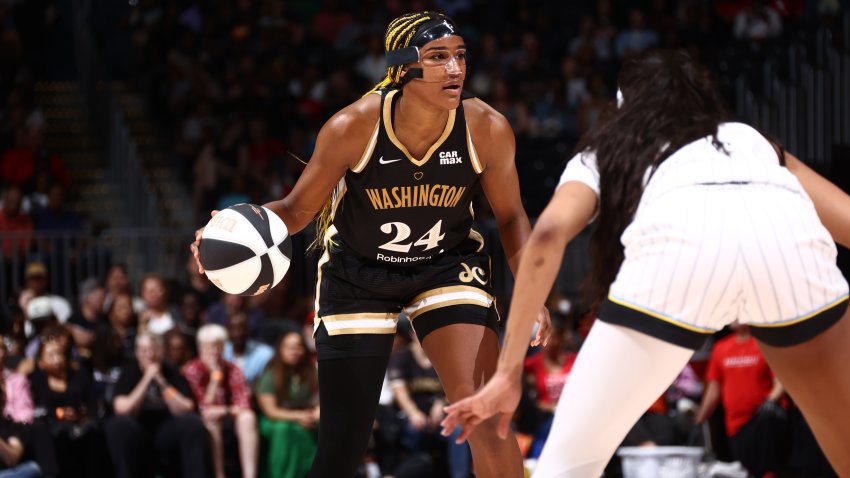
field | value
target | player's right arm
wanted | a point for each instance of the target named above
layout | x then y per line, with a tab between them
831	203
339	145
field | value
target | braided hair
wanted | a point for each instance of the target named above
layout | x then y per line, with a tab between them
399	34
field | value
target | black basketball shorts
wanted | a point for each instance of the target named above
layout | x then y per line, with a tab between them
359	301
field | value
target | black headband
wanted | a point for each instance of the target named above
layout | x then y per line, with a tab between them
429	31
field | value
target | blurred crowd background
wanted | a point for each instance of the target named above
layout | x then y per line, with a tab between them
122	124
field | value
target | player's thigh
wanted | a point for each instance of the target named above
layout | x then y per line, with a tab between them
464	353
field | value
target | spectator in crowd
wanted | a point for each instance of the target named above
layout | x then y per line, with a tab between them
36	285
637	37
15	221
192	312
12	447
179	348
112	349
18	408
546	373
88	316
55	215
249	355
16	339
18	405
683	398
39	316
63	399
19	165
757	23
222	394
372	65
118	282
157	315
114	339
588	36
230	304
287	394
738	377
155	427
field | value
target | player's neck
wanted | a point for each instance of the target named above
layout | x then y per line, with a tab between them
417	118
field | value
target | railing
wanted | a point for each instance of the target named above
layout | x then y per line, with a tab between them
125	168
808	107
73	256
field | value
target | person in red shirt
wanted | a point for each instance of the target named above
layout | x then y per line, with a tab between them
14	220
222	391
20	165
738	377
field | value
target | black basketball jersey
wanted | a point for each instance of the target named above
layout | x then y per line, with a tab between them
397	209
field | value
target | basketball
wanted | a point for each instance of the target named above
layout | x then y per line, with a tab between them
245	249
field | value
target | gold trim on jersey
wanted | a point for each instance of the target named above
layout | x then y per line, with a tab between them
365	330
669	320
477	237
388	125
445	297
361	316
473	156
361	323
449	289
808	316
370	147
326	256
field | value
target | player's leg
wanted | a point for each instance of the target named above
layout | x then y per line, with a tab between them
349	388
815	374
465	356
794	277
618	374
353	343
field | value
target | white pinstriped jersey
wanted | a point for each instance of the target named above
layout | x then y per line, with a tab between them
720	237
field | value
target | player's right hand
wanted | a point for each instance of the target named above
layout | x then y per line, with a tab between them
195	247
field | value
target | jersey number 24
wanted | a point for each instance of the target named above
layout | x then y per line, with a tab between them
430	239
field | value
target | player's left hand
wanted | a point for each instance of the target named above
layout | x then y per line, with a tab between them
544	328
501	395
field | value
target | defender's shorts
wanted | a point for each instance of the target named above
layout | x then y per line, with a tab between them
358	301
700	257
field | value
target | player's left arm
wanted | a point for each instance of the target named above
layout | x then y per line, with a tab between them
831	203
494	141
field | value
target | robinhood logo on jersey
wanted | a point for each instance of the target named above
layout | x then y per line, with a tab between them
449	157
430	195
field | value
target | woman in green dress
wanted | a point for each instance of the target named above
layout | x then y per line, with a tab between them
287	394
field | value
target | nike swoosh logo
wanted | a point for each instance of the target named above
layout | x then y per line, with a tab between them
387	161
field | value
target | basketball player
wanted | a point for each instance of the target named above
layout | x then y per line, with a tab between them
401	166
700	221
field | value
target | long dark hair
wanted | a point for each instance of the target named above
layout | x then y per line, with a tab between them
669	101
284	374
